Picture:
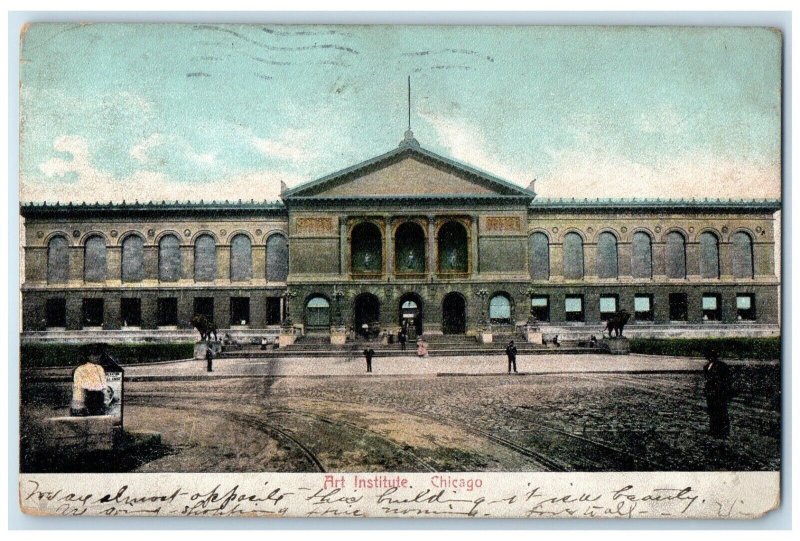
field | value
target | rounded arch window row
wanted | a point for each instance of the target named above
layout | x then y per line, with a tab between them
170	258
642	259
659	236
411	245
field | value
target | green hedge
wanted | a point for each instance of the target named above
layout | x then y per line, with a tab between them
37	355
729	348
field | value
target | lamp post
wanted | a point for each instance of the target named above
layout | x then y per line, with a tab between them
287	295
482	293
337	295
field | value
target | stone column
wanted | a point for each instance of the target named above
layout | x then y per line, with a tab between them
259	260
431	245
389	248
624	254
114	264
150	257
223	263
343	252
474	253
187	262
589	260
76	264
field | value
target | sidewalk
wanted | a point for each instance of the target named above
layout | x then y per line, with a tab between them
401	365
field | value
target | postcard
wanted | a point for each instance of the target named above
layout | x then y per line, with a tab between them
400	271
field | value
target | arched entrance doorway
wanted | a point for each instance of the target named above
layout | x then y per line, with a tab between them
367	312
410	317
454	314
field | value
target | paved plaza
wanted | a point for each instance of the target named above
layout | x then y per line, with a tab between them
561	413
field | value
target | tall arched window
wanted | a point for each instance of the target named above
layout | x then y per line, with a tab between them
607	260
366	249
169	259
709	255
540	256
133	259
277	258
58	260
573	256
94	259
676	255
205	259
453	250
500	308
241	258
410	248
743	266
642	256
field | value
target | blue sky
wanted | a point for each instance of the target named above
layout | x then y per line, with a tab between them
160	111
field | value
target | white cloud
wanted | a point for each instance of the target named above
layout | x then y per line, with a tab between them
158	149
467	144
92	184
292	144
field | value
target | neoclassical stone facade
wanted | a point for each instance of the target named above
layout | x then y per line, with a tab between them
407	238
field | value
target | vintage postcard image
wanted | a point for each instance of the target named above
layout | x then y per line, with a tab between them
400	271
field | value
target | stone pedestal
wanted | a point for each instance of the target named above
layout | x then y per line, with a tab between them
83	434
484	337
617	346
533	335
338	336
286	339
200	349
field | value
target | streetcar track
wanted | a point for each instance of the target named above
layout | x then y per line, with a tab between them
254	422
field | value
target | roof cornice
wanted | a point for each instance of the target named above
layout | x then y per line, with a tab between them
655	204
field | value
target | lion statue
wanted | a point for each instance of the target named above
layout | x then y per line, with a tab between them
204	326
616	323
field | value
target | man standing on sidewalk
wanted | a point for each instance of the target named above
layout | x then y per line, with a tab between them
209	358
402	339
511	351
369	353
718	393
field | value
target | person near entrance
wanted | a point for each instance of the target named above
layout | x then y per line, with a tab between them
89	385
369	353
402	338
511	351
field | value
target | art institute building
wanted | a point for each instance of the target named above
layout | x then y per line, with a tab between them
406	236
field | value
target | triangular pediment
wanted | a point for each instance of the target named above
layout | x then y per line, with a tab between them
408	172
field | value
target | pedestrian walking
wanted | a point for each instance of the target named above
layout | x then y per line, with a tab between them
718	393
402	338
511	351
369	353
209	358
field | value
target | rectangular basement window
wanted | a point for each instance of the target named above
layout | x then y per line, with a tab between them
608	306
540	307
240	310
678	307
643	307
168	312
56	313
573	307
712	307
745	307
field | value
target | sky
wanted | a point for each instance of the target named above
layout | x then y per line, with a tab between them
113	112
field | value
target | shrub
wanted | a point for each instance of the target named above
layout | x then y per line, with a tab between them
46	355
729	348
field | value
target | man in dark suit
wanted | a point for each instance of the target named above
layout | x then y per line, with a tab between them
369	353
718	392
402	339
511	351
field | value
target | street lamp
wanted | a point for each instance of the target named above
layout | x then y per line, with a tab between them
482	293
288	294
337	295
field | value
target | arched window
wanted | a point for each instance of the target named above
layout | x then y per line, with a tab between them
607	261
277	258
318	312
410	248
133	259
500	309
453	251
540	256
642	256
94	259
205	259
57	260
366	249
241	258
573	256
169	259
709	255
743	266
676	255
